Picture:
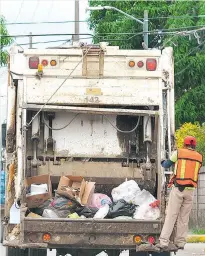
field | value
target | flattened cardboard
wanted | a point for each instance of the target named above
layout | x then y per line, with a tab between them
76	182
36	200
88	193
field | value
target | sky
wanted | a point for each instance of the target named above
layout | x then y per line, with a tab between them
16	11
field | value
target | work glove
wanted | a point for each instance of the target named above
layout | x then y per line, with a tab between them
162	161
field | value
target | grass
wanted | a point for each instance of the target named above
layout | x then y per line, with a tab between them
198	231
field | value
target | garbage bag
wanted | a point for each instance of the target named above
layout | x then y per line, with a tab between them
123	218
121	208
99	200
128	191
41	207
146	212
102	212
73	216
48	213
63	206
60	202
88	212
142	197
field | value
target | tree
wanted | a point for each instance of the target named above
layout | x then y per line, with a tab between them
5	41
192	129
169	17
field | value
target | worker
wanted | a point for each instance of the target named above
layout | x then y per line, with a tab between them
187	163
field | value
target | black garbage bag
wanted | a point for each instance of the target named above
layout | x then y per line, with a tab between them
121	208
86	211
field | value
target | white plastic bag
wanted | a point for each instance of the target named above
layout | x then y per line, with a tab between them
102	212
146	212
128	191
143	197
48	213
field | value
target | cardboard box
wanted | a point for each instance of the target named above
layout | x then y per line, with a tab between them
34	201
75	187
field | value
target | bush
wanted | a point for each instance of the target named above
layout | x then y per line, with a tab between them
196	130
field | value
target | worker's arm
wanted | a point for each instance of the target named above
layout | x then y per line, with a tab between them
171	161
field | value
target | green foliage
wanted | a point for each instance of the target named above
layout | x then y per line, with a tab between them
4	41
195	130
188	53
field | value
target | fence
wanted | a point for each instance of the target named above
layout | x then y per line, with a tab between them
197	217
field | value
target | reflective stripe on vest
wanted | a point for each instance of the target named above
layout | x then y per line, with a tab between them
187	167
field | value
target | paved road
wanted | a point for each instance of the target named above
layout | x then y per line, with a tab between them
190	250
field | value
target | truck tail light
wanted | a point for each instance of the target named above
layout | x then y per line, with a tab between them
33	62
151	64
138	239
53	62
46	237
140	64
44	63
131	63
151	239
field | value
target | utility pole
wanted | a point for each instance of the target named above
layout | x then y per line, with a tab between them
145	28
77	29
30	41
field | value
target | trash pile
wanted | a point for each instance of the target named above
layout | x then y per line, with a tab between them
76	198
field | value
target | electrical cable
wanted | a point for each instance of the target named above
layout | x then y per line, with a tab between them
85	21
58	87
51	8
35	10
58	129
19	12
116	128
45	22
161	31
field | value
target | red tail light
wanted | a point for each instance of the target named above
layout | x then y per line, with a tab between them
151	64
140	64
151	239
33	62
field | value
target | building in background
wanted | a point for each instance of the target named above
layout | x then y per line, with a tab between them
3	114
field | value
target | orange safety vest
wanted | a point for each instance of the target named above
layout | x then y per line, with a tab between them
187	167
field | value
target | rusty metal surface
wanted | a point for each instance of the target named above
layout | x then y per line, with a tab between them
89	233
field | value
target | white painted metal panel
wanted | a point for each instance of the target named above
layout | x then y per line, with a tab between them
109	91
88	135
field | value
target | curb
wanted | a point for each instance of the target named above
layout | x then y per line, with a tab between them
196	239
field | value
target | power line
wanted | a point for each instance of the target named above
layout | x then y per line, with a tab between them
35	10
177	17
51	8
44	22
19	12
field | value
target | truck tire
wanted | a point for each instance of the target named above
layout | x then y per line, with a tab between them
10	251
37	252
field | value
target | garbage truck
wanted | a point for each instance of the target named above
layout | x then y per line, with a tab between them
94	111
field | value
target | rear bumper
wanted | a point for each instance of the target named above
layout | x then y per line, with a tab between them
84	234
